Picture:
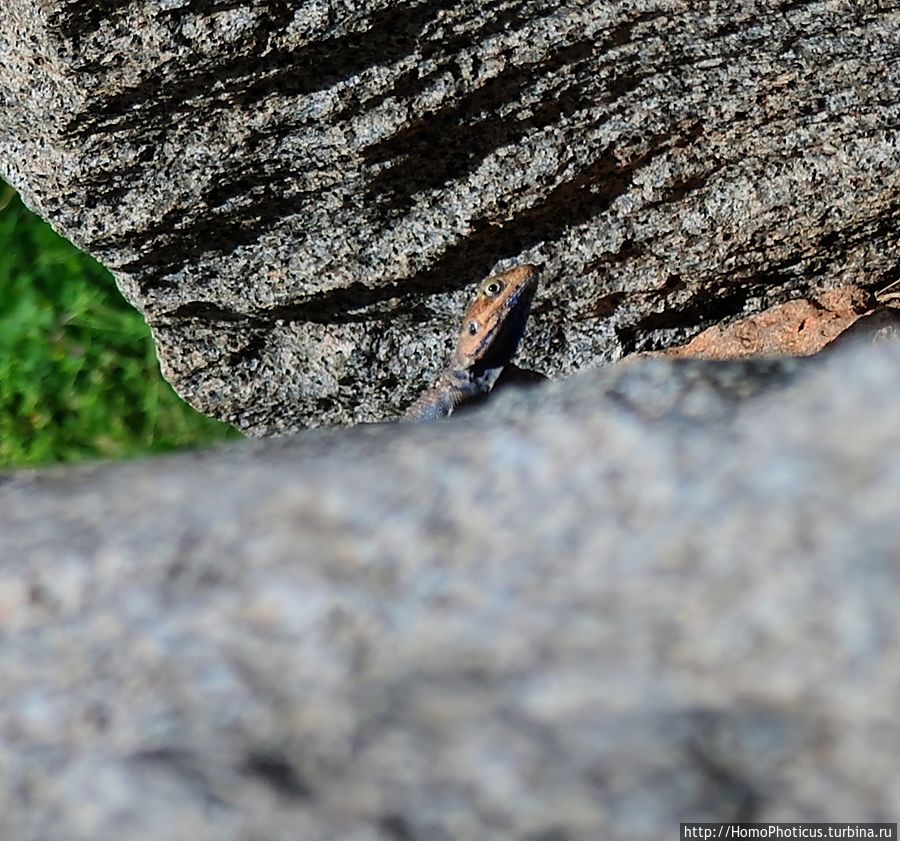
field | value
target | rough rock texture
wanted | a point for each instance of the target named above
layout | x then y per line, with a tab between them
300	194
593	609
880	326
798	328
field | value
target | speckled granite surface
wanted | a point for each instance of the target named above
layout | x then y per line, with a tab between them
300	195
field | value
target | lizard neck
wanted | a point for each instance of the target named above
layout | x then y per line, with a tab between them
454	386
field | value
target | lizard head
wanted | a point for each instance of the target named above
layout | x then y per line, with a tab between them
495	321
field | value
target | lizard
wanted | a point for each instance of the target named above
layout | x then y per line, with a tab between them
493	325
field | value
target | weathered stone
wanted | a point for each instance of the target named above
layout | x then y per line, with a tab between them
880	326
598	607
300	194
798	328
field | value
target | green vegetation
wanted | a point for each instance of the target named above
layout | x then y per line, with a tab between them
78	373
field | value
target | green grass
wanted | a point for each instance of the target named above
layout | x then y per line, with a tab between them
78	372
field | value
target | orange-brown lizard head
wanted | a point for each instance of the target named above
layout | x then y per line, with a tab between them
495	320
492	328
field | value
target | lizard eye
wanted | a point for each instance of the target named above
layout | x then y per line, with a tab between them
473	328
493	288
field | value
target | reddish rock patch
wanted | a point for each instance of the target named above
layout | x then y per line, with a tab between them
797	328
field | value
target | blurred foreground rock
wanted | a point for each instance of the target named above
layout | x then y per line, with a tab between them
300	194
596	608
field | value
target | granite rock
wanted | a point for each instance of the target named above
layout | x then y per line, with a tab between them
594	608
801	327
299	194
